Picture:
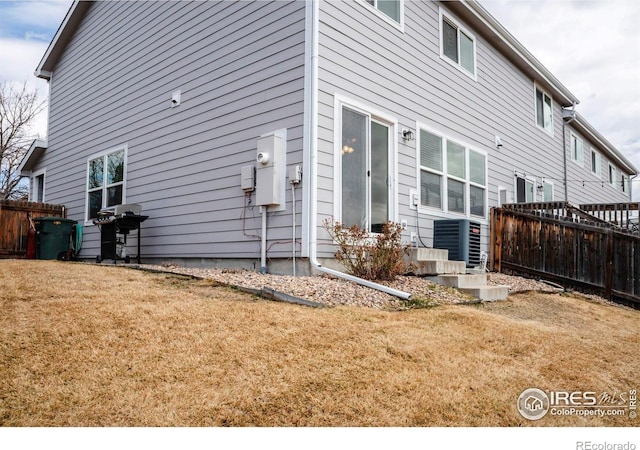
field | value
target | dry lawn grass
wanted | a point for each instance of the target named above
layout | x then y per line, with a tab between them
84	345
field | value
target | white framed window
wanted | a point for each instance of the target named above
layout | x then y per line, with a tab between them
547	190
525	188
612	176
457	45
502	196
596	163
365	162
624	183
577	150
544	110
452	176
391	10
37	186
106	175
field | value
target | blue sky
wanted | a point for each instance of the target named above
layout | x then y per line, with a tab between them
591	46
30	20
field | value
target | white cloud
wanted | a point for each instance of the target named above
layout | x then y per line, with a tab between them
593	48
34	14
19	61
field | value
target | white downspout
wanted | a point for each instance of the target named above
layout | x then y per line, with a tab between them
313	166
564	148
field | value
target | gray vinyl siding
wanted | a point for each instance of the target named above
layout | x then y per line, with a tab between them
365	59
586	187
240	69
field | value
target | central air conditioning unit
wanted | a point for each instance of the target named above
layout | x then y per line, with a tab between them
461	237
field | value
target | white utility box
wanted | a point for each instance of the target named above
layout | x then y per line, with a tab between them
269	170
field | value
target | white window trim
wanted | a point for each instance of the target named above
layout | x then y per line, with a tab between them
442	15
383	16
599	163
338	103
32	185
444	211
536	88
553	190
125	147
502	189
580	161
624	183
612	182
529	178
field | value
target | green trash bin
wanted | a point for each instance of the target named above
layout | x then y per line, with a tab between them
53	237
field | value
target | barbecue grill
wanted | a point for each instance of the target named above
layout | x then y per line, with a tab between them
115	224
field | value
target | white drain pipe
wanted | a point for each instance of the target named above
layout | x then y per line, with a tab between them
312	126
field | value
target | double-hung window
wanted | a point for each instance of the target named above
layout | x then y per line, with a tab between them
577	147
366	164
544	110
390	8
457	45
105	180
452	176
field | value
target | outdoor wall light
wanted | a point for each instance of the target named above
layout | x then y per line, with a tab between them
407	134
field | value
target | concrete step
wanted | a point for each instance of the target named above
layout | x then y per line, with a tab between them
430	254
438	267
487	293
461	281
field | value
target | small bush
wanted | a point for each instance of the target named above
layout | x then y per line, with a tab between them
366	255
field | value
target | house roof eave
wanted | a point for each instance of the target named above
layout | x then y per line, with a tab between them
61	39
35	152
506	43
584	127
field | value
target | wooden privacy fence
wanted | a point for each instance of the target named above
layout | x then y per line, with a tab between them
14	224
592	256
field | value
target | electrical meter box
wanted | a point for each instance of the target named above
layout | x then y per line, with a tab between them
269	170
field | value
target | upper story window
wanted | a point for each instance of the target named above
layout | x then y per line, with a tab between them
457	45
105	181
576	149
612	175
596	163
624	183
390	8
544	110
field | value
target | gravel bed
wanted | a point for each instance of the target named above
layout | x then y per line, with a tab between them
520	284
334	291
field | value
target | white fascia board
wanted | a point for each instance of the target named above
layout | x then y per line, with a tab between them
37	148
46	63
519	51
605	146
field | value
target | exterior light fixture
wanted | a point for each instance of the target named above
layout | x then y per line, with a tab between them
407	134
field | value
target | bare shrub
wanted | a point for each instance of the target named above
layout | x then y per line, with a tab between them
369	256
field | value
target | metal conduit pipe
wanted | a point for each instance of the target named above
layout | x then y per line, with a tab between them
312	125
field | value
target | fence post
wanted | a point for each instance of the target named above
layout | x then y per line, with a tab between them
608	277
495	246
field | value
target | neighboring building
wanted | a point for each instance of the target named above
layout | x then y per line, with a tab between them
396	110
